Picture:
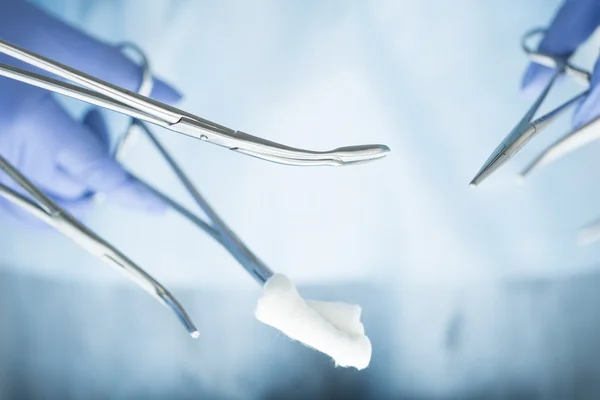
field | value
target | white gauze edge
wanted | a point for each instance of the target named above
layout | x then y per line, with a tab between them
329	327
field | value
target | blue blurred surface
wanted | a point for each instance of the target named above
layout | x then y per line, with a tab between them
467	293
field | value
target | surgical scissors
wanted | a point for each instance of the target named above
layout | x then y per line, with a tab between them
526	129
103	94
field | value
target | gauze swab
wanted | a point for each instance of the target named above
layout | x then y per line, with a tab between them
329	327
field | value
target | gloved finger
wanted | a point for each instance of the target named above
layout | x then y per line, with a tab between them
87	160
536	79
60	41
63	186
80	208
574	22
590	107
94	120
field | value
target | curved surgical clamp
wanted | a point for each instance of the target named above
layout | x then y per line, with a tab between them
526	129
48	211
106	95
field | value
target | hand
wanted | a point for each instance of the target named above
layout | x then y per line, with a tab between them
68	159
573	24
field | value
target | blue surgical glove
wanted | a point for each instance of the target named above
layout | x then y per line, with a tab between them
573	24
68	159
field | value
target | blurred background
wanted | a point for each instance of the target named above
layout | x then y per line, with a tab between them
466	293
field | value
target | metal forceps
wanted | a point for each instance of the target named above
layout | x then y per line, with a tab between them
526	129
103	94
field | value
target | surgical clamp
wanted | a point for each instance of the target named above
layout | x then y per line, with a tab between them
526	129
103	94
43	208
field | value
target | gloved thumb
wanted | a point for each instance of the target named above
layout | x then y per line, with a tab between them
28	26
590	107
94	168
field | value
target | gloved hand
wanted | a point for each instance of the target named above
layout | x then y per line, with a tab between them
573	24
68	159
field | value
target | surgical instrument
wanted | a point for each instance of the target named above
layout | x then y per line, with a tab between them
526	129
106	95
578	138
48	211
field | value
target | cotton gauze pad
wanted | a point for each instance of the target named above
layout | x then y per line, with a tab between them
331	328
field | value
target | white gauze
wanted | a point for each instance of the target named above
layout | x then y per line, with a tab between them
330	327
